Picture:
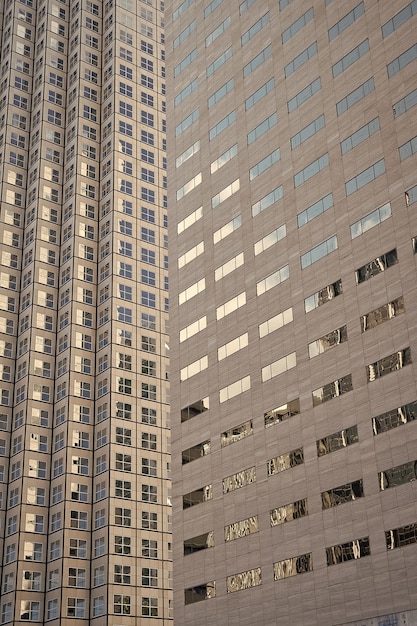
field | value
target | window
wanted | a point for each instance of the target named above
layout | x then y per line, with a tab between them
376	266
408	149
7	611
30	611
221	126
332	390
125	128
149	607
186	123
288	512
182	7
315	210
360	135
98	577
149	467
323	295
148	416
33	551
297	25
56	521
318	252
76	577
399	19
211	7
122	545
337	441
340	495
79	465
265	164
273	280
123	489
122	577
98	606
402	61
101	464
351	550
285	461
75	607
256	133
184	34
328	341
122	517
149	493
304	95
399	537
216	32
244	580
78	520
99	546
388	364
99	518
123	410
365	177
11	553
148	391
149	577
356	95
124	436
198	496
293	566
56	494
148	299
346	21
267	201
148	277
190	330
149	549
394	418
253	30
300	59
186	61
123	462
194	368
350	58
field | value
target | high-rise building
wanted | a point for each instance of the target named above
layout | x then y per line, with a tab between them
85	515
294	328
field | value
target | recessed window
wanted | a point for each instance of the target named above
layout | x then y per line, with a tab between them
400	537
294	566
205	591
349	551
342	494
394	418
288	512
388	364
337	441
197	408
237	433
244	580
197	496
399	475
196	452
282	413
234	389
332	390
243	528
239	479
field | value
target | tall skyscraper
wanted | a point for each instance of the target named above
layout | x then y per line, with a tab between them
294	328
85	516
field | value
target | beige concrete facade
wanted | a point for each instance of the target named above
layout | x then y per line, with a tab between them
294	335
85	472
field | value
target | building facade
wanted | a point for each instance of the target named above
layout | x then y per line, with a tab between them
293	273
84	439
